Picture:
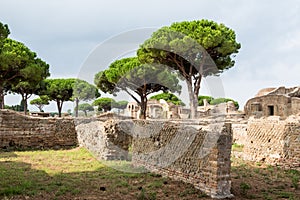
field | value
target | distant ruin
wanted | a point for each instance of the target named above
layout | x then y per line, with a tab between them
160	109
280	101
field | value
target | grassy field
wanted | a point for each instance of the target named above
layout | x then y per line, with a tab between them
76	174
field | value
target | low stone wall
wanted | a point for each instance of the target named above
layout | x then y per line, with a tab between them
195	153
104	139
273	141
24	132
239	131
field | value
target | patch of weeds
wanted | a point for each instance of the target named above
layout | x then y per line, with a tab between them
12	190
244	175
295	176
272	191
237	177
155	175
266	196
270	168
122	184
252	196
263	191
202	195
62	190
187	192
264	174
234	169
295	181
244	188
286	195
143	195
75	191
156	184
152	196
243	165
280	187
258	164
131	175
237	147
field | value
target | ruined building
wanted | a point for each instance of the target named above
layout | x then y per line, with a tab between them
156	109
274	101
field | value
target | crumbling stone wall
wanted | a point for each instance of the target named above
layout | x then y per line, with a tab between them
239	131
195	153
274	141
295	101
24	132
104	139
258	106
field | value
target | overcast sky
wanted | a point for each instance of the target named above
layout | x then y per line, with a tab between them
65	33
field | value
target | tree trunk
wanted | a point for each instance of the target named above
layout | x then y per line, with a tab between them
59	107
193	100
1	98
40	107
24	99
76	106
25	106
143	107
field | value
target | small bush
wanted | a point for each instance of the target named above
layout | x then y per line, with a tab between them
244	188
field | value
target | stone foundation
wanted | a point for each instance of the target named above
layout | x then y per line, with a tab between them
24	132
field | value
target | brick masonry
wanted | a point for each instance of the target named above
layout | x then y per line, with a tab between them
197	152
104	139
24	132
274	141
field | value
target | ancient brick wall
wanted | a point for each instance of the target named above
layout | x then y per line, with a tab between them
239	132
104	139
24	132
195	153
259	105
274	141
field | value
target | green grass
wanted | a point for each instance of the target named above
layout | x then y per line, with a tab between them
237	147
32	172
76	174
244	188
261	181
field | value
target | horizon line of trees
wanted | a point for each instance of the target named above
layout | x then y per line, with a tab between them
184	51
